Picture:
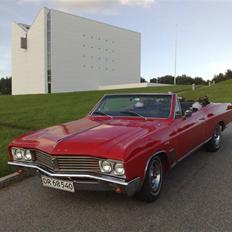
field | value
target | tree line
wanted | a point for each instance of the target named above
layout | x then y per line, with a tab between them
223	76
188	80
180	80
5	85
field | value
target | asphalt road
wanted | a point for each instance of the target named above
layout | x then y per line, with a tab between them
197	196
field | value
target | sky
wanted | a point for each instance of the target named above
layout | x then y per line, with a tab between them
203	29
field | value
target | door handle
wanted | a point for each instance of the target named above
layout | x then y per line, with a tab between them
202	119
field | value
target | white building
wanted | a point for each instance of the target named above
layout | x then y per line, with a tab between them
61	52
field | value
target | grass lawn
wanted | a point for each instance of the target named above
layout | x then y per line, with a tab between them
221	92
19	114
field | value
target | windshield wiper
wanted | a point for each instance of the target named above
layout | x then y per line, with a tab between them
132	113
101	113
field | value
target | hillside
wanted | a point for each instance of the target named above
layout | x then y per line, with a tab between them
31	112
221	92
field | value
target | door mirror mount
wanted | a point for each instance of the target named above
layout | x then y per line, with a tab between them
188	113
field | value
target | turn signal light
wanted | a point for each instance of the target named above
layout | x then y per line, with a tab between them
118	190
20	171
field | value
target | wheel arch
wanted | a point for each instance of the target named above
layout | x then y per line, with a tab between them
164	159
222	124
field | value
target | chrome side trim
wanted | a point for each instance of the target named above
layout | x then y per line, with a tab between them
95	107
102	178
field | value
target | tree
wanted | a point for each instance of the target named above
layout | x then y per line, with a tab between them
228	74
222	77
5	85
168	79
184	80
180	80
199	81
153	80
142	80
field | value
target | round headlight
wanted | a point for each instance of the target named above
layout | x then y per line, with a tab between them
18	154
119	169
27	155
106	166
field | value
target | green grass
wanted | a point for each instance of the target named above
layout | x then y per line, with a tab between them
221	92
19	114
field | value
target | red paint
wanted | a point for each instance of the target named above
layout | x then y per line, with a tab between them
130	139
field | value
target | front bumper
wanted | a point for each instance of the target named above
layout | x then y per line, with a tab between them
90	181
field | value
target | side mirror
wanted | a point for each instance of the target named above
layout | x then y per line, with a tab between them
188	113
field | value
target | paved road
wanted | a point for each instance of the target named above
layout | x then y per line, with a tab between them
197	196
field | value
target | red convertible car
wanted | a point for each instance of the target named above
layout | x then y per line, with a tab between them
126	143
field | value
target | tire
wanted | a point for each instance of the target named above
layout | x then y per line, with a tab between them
216	141
152	185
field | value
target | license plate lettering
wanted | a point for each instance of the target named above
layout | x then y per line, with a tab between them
47	181
58	184
62	184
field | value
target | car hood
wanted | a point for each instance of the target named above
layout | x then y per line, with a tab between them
100	137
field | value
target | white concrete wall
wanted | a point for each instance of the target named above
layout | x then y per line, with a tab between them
87	54
29	66
130	86
18	60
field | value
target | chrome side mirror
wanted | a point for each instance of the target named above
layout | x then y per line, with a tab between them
188	113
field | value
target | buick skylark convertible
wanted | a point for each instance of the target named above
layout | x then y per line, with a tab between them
125	144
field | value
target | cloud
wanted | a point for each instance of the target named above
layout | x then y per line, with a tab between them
144	3
91	5
104	3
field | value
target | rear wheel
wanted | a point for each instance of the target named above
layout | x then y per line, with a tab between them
153	181
216	141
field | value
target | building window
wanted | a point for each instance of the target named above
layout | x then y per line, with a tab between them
49	72
23	43
49	75
49	87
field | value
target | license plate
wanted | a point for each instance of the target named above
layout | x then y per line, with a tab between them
58	184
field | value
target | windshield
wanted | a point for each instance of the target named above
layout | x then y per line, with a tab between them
155	106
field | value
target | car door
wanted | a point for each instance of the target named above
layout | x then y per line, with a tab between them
188	132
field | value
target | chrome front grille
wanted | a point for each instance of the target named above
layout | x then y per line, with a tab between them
44	160
78	163
68	163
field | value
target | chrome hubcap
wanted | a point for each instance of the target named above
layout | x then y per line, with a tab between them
217	137
155	175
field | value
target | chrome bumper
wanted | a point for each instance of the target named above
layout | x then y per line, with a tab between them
130	187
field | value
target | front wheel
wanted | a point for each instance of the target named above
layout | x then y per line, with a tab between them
153	181
215	142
